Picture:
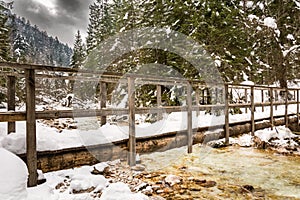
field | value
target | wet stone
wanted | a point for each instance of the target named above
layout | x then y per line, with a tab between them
83	191
200	181
160	191
195	188
208	184
138	168
249	188
156	198
58	186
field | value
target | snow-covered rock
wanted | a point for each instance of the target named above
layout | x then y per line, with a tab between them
121	191
41	192
279	132
82	179
13	177
172	179
14	142
245	140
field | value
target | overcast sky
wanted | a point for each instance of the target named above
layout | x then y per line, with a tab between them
61	18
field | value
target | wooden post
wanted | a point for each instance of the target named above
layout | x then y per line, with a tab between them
286	107
262	100
209	96
189	118
197	93
158	99
31	127
217	95
203	96
252	111
246	100
11	101
132	138
271	108
226	112
276	98
298	117
103	99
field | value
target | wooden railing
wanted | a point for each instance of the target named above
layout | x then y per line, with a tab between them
199	100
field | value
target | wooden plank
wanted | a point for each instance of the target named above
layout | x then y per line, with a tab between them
56	114
189	119
103	99
226	110
158	101
271	108
31	128
252	111
132	136
12	116
11	101
286	107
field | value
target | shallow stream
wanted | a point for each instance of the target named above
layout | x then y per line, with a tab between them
278	176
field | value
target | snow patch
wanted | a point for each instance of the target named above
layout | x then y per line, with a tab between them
290	37
247	83
121	191
13	173
270	22
41	192
218	63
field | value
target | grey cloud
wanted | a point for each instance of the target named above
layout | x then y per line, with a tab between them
71	15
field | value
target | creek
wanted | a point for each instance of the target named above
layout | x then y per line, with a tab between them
233	167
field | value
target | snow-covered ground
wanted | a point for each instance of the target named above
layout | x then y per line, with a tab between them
279	136
83	184
52	139
72	184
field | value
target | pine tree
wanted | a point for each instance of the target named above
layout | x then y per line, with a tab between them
78	52
275	40
4	35
21	48
100	24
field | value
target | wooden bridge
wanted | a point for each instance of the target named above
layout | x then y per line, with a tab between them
198	98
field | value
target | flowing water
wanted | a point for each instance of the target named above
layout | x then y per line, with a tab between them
278	176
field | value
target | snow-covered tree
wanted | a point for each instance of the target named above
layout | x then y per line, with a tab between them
79	54
21	48
275	39
4	35
100	24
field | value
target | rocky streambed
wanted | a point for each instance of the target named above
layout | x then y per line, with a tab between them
238	173
208	173
264	166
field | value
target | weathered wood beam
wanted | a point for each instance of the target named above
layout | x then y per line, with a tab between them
11	101
252	111
132	136
103	99
226	113
31	150
272	108
189	119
